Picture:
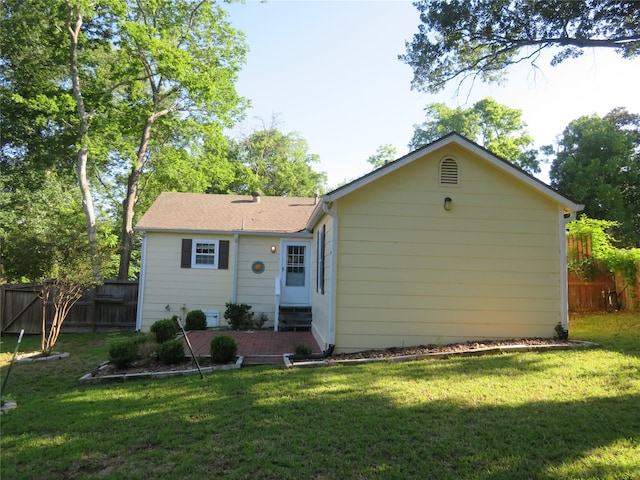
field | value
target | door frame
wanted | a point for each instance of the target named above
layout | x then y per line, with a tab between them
306	301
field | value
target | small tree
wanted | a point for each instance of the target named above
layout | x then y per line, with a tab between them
61	295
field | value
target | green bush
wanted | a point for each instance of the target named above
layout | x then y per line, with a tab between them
302	349
262	319
123	351
239	316
171	351
223	349
164	330
196	320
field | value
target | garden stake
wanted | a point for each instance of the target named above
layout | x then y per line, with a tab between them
15	352
193	355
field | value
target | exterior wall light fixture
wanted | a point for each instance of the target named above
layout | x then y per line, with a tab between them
273	249
447	203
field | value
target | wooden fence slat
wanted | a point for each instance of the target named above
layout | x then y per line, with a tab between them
90	314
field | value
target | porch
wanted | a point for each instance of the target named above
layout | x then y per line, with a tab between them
258	347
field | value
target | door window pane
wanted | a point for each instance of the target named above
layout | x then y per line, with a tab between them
295	266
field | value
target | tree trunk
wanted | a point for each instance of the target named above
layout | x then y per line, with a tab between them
73	26
131	198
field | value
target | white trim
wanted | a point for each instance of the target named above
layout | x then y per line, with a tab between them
141	281
331	210
194	253
564	276
307	272
234	287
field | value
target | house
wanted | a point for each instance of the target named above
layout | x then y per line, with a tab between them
447	244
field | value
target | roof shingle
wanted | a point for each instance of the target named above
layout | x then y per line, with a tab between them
173	211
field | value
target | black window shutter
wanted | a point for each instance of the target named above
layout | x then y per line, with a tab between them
223	259
185	260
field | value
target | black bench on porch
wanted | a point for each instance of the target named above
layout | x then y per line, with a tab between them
294	318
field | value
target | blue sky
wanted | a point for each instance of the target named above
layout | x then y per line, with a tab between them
330	71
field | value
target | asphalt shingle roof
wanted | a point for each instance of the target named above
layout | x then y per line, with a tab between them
174	211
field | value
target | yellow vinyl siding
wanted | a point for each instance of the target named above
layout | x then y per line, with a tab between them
168	284
410	272
258	289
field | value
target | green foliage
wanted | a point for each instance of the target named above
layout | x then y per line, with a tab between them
171	352
500	129
123	351
302	349
384	154
223	349
598	164
262	319
164	330
42	232
157	86
561	333
239	316
477	39
275	163
602	249
196	320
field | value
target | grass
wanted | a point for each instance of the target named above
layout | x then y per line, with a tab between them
554	415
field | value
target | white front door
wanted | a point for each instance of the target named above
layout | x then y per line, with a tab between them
295	273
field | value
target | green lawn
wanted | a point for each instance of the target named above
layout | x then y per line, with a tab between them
560	415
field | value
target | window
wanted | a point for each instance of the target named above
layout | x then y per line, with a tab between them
199	253
448	172
204	254
295	276
320	262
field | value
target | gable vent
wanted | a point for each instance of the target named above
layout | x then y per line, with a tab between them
449	172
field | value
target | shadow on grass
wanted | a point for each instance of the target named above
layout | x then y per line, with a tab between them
340	423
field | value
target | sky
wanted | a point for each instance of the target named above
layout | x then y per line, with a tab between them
330	71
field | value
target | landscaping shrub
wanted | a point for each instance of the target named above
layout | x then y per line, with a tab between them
302	349
196	320
262	319
123	351
171	351
239	316
164	330
223	349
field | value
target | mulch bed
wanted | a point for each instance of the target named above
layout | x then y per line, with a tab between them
452	348
151	366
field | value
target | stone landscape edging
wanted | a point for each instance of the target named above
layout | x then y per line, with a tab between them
31	357
125	377
476	352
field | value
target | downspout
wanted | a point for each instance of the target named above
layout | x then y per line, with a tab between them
564	277
234	288
333	282
143	271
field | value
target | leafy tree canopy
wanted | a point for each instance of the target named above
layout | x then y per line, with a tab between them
598	164
498	128
460	39
384	154
274	163
42	234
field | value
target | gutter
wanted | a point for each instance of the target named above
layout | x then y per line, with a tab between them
141	281
331	211
565	218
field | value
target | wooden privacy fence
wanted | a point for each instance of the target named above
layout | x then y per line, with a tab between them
109	306
604	291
